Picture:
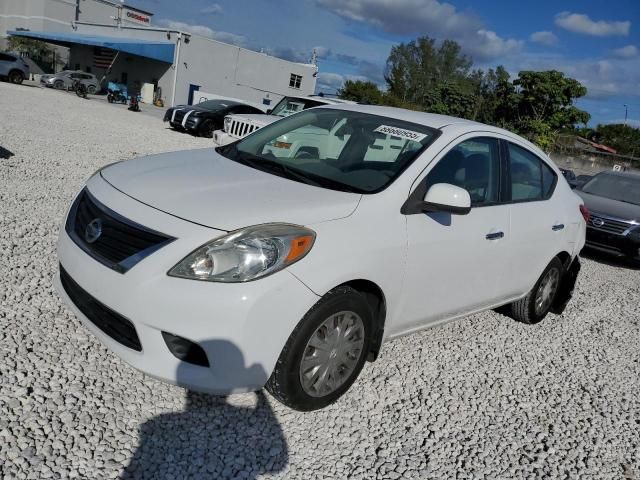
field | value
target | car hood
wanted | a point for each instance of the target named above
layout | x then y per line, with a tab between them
204	187
611	207
194	108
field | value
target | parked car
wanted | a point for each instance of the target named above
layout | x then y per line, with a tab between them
64	80
205	117
306	256
613	200
238	126
13	68
581	180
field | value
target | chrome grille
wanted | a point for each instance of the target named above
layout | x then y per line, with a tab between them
241	129
607	224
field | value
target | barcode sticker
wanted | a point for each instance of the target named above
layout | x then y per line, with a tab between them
401	132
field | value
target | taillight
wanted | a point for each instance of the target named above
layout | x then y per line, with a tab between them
585	213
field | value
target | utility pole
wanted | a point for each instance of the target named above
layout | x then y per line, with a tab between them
626	111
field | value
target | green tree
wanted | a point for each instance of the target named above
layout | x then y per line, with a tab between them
625	139
359	91
32	48
414	70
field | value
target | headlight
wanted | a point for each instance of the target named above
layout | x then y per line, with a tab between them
247	254
227	124
635	234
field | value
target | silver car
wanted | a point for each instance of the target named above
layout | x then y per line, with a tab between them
64	80
13	67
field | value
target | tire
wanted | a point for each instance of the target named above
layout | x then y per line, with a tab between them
529	309
91	89
286	383
109	99
207	129
58	84
16	77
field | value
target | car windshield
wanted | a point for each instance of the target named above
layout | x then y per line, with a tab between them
616	187
336	149
288	106
215	105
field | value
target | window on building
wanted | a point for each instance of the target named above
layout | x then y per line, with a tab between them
295	80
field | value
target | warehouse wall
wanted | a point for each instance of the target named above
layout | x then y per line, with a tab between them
236	72
221	68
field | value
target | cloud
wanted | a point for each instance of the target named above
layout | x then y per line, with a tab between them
330	82
603	77
204	31
327	81
405	16
488	45
544	38
630	51
213	9
437	19
322	52
581	23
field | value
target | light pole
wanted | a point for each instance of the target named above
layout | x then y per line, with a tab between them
626	110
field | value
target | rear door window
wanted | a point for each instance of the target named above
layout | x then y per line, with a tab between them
531	178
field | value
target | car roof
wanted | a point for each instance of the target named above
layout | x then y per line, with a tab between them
621	174
432	120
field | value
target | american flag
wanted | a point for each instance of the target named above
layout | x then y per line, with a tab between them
102	57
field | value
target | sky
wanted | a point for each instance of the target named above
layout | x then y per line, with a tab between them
594	41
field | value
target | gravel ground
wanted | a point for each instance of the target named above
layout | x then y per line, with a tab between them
480	398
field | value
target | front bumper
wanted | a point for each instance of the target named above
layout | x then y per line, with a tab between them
220	138
619	245
242	328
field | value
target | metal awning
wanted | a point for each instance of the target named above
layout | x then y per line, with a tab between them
162	51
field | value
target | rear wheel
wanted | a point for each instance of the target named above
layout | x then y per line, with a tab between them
91	89
207	129
59	84
535	306
16	77
325	353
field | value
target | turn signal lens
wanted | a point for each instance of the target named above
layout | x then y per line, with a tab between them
284	145
300	246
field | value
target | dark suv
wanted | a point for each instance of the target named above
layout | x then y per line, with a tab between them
613	199
13	67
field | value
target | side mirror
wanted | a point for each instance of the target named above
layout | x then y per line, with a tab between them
444	197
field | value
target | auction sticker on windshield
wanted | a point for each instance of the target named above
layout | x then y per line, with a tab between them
401	132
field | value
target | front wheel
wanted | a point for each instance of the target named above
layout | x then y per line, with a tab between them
91	89
538	302
207	129
325	353
16	77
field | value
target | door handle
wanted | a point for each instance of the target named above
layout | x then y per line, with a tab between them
557	227
494	236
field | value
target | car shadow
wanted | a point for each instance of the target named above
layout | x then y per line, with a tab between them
610	260
215	436
5	154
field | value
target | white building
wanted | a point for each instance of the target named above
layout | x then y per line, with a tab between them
179	63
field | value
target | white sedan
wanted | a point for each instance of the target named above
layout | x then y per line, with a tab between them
287	264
